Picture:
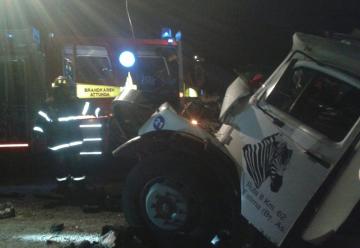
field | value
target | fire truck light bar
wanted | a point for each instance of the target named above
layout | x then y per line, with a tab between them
13	145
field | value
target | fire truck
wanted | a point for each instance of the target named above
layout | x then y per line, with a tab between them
98	69
22	85
100	66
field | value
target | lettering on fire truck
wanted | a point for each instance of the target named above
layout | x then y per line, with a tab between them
96	91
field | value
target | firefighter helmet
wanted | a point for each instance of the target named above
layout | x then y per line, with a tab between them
59	82
61	90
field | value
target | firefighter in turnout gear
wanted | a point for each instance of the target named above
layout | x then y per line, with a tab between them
65	127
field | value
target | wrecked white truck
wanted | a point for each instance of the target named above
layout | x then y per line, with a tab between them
285	159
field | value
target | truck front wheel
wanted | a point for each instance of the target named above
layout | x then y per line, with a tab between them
171	195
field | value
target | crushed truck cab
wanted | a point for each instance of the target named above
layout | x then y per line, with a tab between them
290	149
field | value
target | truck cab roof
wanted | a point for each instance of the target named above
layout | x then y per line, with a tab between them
343	54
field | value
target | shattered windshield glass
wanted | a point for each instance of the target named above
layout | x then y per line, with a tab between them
322	102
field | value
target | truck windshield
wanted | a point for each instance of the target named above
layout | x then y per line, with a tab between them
96	70
320	101
153	73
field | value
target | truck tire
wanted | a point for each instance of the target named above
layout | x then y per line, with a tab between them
172	195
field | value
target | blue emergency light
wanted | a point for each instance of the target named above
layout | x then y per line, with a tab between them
178	36
166	33
127	59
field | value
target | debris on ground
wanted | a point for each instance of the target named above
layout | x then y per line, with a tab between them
118	237
108	239
7	210
129	237
56	228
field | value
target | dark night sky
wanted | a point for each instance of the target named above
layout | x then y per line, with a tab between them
227	32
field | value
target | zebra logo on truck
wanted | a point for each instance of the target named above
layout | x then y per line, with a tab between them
267	159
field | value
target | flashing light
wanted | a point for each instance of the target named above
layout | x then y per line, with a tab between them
127	59
178	36
86	108
14	145
194	122
166	33
171	40
38	129
90	126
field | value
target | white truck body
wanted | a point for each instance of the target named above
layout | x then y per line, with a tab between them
283	161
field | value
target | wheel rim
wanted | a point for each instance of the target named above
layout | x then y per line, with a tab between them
166	207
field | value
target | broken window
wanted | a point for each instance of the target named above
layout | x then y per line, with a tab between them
322	102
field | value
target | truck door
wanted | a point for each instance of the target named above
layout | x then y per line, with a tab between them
290	138
13	100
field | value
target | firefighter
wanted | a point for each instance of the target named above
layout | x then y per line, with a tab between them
57	129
